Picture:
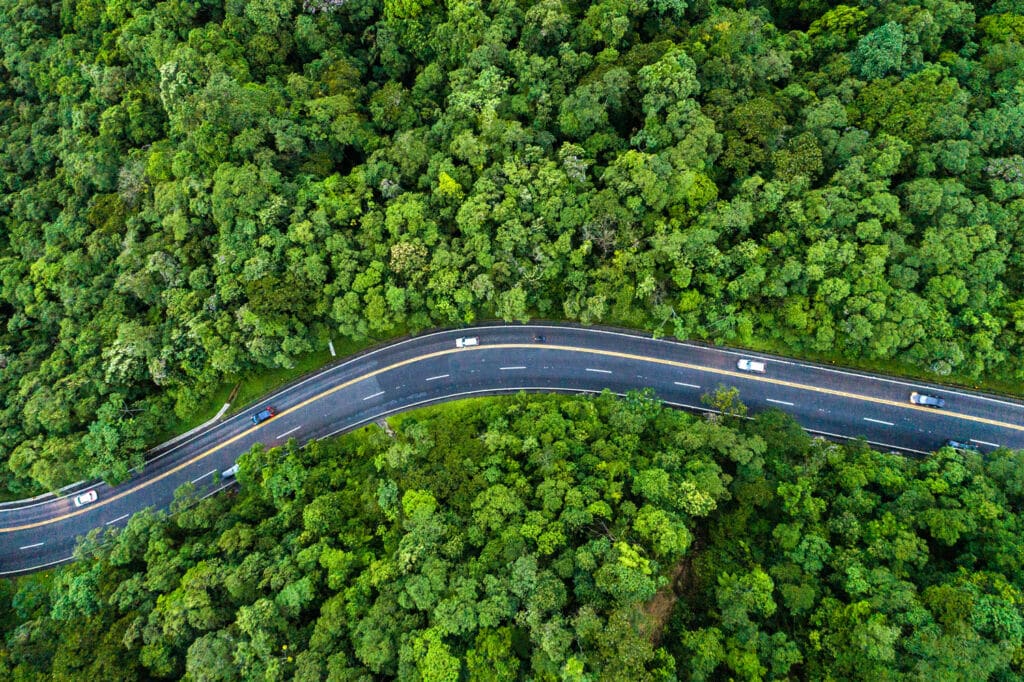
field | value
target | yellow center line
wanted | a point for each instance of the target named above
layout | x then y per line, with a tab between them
510	346
221	446
789	384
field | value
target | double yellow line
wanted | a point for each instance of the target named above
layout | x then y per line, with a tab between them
510	346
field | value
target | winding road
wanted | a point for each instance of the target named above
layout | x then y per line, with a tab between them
835	403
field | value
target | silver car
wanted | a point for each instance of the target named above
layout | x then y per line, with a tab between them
926	400
751	365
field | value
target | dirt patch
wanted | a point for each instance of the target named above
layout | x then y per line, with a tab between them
383	423
659	609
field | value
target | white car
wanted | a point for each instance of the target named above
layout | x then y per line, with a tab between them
85	498
464	341
230	471
750	365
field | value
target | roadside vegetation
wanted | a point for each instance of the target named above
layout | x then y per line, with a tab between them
551	538
193	191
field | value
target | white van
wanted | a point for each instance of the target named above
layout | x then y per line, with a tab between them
464	341
230	471
750	365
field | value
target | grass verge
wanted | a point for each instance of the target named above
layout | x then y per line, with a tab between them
1000	384
252	386
1004	384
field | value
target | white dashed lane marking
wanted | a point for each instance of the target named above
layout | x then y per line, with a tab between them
196	480
877	421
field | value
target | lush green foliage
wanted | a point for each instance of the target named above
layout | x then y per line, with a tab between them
193	188
551	538
516	539
841	563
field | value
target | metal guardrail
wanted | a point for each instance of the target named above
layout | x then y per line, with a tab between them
25	502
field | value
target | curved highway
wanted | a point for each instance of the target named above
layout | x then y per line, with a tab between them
431	368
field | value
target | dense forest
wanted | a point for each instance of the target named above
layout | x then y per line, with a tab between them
194	188
552	538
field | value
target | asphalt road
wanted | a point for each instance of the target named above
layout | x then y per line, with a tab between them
430	369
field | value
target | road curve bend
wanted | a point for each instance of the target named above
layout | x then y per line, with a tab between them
431	368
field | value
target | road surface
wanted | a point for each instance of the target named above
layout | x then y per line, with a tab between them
429	369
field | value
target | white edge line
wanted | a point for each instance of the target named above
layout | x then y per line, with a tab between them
796	363
374	395
30	569
673	342
38	544
290	431
662	340
727	351
217	490
682	383
910	384
985	442
439	376
878	421
516	367
51	500
870	442
112	521
196	480
549	389
287	389
488	391
599	371
780	402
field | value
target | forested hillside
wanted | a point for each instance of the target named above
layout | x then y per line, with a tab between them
549	538
197	188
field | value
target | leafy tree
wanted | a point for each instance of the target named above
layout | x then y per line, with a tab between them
880	52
